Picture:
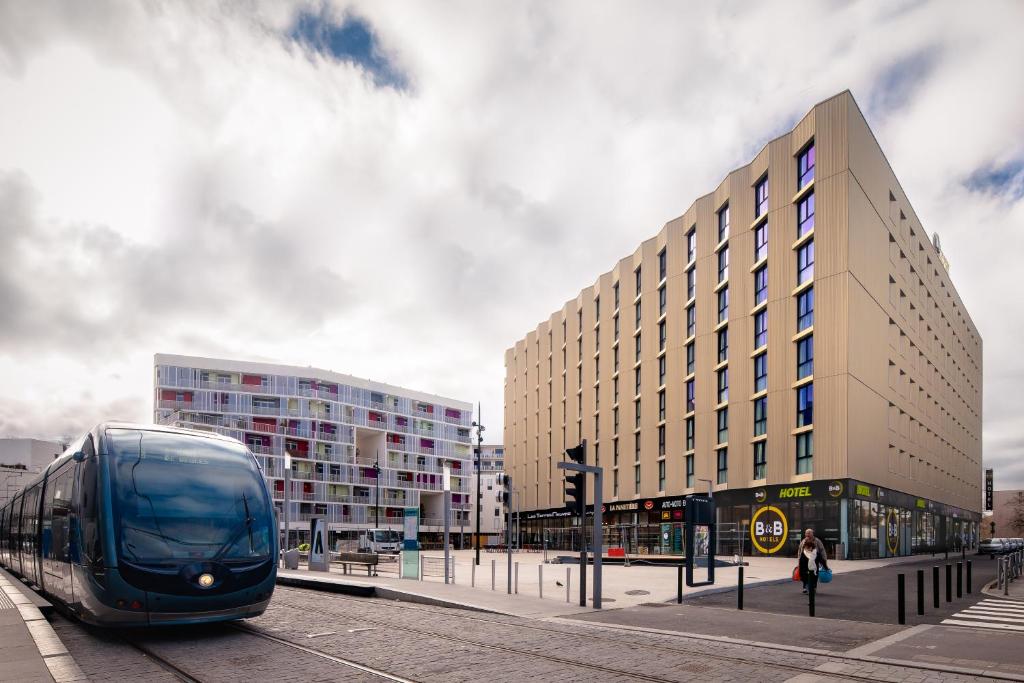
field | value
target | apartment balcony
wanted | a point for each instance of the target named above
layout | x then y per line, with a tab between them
266	410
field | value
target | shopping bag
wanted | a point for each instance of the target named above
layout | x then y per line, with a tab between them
825	575
796	573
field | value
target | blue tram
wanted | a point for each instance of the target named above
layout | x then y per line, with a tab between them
146	525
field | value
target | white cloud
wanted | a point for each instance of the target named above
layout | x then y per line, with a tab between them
187	179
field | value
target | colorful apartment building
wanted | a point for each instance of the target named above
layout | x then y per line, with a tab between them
361	451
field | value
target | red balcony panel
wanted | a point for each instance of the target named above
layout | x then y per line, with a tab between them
307	488
451	412
279	486
252	380
168	395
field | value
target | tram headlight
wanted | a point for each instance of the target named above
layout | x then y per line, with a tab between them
205	580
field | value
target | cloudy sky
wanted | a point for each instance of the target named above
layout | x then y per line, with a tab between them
400	190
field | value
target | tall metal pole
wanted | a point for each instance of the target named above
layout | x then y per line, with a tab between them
447	515
508	527
583	532
479	447
287	498
376	502
598	534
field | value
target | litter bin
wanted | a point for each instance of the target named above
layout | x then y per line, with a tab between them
291	559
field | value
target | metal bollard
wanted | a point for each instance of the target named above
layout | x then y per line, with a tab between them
935	586
568	580
959	579
679	585
492	574
1006	578
739	589
901	598
811	590
920	591
422	559
517	578
970	585
540	579
949	583
472	574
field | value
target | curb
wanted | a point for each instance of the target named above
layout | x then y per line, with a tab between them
991	590
58	660
371	591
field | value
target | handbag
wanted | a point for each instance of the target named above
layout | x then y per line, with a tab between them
825	575
796	573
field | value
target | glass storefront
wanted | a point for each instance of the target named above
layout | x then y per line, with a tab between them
854	520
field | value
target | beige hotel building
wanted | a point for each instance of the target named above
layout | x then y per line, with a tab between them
813	371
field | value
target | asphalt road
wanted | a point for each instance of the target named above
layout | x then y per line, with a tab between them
867	595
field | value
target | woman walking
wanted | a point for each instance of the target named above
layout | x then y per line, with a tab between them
811	553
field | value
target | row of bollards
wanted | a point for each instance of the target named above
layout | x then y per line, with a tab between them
901	598
540	580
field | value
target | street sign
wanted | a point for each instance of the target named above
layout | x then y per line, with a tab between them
318	559
769	529
988	490
892	531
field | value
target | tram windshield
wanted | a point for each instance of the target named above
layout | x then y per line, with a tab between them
180	498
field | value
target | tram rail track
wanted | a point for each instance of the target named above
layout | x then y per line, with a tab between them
599	633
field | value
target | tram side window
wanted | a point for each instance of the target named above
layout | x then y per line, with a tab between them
55	516
92	548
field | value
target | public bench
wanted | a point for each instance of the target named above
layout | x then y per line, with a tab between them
347	560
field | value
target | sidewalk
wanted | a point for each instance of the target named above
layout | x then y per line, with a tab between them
29	648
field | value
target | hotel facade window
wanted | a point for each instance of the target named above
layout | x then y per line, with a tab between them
805	215
689	472
723	465
760	372
761	197
691	358
662	265
805	452
723	223
760	329
805	167
760	460
723	385
761	242
691	321
691	283
805	405
805	357
691	245
723	425
761	285
761	416
805	309
805	263
723	264
723	345
723	305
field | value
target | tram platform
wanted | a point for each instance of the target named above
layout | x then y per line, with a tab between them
29	648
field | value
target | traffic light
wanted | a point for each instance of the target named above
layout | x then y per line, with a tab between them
506	486
574	492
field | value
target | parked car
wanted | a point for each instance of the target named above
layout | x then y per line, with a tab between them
992	546
1018	544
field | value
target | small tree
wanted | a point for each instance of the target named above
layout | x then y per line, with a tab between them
1016	505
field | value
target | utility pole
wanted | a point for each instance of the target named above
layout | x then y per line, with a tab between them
377	498
287	497
479	448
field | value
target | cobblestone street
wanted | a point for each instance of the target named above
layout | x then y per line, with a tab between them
312	636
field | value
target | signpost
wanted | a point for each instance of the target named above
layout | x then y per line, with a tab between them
701	536
447	515
598	540
319	561
410	545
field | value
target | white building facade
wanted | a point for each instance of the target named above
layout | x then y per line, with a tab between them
21	460
362	451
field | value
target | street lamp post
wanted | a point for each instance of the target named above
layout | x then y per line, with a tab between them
376	500
287	497
479	447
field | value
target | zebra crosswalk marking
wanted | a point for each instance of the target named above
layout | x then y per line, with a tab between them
1004	615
